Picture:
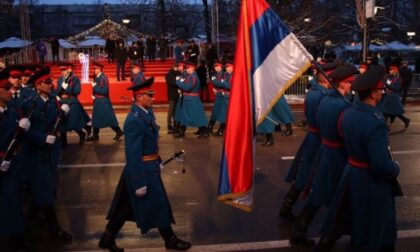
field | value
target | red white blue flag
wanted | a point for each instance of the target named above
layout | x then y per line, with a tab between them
268	59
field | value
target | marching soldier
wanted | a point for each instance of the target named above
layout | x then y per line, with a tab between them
191	110
44	150
140	194
391	104
368	173
300	169
331	157
68	89
11	215
221	82
103	114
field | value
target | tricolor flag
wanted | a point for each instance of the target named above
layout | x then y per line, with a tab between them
268	59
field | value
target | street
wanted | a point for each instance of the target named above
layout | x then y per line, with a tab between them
88	176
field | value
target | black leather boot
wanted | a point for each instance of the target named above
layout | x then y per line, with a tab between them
88	129
269	140
181	132
301	225
405	120
210	126
82	136
289	130
221	130
107	241
288	203
56	231
94	136
177	244
118	133
204	133
170	129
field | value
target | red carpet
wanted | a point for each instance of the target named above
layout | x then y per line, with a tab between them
118	89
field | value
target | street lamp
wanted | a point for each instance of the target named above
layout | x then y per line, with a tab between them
126	21
411	34
307	20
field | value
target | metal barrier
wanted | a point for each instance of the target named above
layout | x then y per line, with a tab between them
414	90
298	88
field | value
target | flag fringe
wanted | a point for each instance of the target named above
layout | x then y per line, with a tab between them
283	89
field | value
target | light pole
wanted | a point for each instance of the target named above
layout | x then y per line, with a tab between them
411	34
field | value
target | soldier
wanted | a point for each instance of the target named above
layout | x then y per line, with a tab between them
11	215
68	88
363	68
368	174
391	104
140	194
138	75
191	110
221	85
331	157
44	150
300	169
103	114
19	95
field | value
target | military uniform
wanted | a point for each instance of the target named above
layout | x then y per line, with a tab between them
221	83
190	110
368	173
11	216
68	89
103	114
298	173
142	171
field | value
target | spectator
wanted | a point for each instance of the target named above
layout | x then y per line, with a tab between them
120	57
110	48
151	48
162	48
55	46
202	76
42	51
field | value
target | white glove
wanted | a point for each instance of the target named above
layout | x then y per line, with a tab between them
182	79
5	166
141	191
93	97
310	78
50	139
222	80
388	82
93	84
213	77
25	124
178	77
64	85
65	108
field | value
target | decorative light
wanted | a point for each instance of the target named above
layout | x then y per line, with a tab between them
126	21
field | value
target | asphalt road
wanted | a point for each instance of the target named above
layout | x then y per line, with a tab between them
88	176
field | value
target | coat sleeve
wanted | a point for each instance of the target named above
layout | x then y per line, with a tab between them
134	134
379	160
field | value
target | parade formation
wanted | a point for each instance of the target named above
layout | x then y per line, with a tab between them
344	165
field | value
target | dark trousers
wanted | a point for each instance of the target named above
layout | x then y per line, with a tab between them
120	70
162	54
171	112
115	129
152	55
110	57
